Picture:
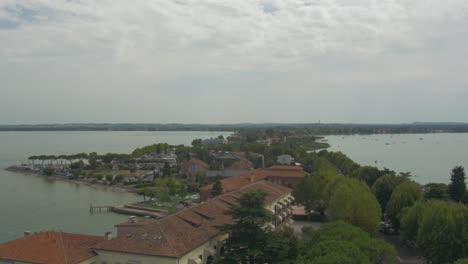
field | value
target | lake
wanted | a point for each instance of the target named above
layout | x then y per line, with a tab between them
31	203
429	157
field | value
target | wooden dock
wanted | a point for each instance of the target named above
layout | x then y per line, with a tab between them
94	208
138	211
128	209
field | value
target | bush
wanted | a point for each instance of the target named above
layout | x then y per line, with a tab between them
49	171
119	178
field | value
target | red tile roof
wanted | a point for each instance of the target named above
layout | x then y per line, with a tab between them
179	233
50	248
236	182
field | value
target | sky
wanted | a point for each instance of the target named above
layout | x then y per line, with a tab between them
233	61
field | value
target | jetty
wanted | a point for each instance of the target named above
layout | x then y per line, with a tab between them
94	208
138	211
130	210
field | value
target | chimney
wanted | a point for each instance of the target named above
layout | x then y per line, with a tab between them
108	235
27	233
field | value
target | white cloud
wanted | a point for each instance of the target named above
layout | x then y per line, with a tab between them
252	30
319	42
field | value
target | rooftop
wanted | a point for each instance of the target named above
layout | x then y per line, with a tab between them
50	248
179	233
236	182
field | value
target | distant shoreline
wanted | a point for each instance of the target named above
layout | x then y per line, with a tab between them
76	181
311	128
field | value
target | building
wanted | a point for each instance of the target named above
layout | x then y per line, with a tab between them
51	248
192	167
281	175
190	235
236	168
285	159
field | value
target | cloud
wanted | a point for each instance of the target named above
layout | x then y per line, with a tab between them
257	31
113	46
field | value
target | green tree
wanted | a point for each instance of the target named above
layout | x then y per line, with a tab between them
457	186
281	246
109	178
367	174
119	178
167	169
49	171
247	237
197	142
410	221
338	242
436	191
462	261
404	195
353	202
310	190
443	232
383	188
217	188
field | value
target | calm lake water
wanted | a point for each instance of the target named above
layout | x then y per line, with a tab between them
33	203
429	157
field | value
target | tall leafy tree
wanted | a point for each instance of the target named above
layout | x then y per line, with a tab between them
383	188
443	232
310	190
217	188
404	195
437	191
457	187
247	237
352	202
338	242
167	169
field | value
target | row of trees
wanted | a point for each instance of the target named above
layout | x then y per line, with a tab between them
340	198
438	229
326	191
251	242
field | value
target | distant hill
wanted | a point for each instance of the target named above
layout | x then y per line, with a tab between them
310	128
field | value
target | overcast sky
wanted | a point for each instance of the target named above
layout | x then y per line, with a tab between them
220	61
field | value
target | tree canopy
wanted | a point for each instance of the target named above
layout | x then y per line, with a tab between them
404	195
353	202
457	186
341	243
383	188
439	229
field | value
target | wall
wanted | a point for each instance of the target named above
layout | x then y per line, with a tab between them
109	257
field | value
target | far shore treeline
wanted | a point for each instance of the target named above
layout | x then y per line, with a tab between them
313	128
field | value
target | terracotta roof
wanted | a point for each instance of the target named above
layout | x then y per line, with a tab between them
236	182
286	168
50	248
136	223
177	234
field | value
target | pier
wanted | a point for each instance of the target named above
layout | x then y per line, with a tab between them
129	209
138	211
105	208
